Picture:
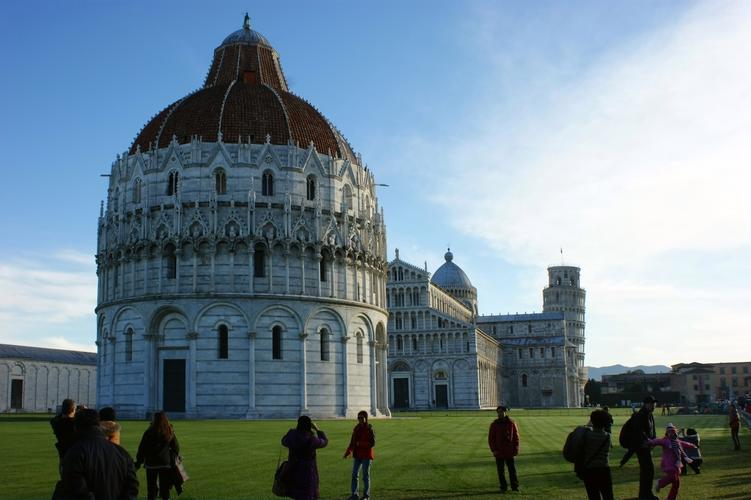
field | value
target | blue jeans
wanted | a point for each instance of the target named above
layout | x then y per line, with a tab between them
365	462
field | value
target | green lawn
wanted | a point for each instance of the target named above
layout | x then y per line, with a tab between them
418	455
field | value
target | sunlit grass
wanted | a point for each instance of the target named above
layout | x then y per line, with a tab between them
418	456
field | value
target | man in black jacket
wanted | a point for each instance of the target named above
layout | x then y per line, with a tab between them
646	427
94	467
64	428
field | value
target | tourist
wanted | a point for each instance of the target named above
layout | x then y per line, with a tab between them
735	426
111	431
503	439
64	427
645	430
94	467
303	442
597	478
156	451
107	414
673	455
361	448
609	426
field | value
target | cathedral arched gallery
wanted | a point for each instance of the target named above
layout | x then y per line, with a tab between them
242	273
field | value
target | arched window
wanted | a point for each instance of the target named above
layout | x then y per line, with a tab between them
137	191
414	344
324	267
359	347
223	346
129	345
531	352
276	342
267	183
520	354
552	352
347	195
393	272
325	344
170	262
524	380
558	281
173	183
259	262
529	328
413	322
399	344
311	185
220	181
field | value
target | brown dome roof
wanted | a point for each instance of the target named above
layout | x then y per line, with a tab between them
245	97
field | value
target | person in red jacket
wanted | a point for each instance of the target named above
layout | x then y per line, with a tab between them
361	448
503	439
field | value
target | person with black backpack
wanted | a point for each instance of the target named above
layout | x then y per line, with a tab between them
593	465
635	434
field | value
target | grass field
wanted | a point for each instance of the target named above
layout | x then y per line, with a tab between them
418	456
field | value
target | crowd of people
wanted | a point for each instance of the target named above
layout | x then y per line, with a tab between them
94	465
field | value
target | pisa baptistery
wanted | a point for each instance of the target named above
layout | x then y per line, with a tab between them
241	257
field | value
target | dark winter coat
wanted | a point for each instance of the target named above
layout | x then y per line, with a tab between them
155	451
96	468
65	433
303	476
645	425
362	442
503	438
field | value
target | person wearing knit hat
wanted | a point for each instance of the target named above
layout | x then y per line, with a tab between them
670	464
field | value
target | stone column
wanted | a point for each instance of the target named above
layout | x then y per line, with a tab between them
319	259
251	375
192	375
302	271
345	377
303	374
150	372
286	271
373	380
194	250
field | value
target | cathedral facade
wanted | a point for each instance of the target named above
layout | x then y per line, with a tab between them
443	354
241	257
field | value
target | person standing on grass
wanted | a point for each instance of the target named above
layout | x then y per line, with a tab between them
156	450
672	460
94	467
734	419
503	439
597	478
361	448
64	427
303	441
645	427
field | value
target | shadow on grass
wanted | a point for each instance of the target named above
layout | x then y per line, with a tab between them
416	494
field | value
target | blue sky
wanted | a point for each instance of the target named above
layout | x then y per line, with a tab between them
618	131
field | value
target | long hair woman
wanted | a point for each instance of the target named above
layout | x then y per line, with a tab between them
303	441
157	447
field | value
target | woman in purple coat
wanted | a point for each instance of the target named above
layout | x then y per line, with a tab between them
303	471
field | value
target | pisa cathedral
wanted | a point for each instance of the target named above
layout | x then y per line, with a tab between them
442	354
242	273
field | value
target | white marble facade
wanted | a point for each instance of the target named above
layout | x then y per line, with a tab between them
242	278
34	379
443	354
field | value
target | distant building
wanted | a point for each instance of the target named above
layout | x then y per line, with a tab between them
443	354
35	379
707	382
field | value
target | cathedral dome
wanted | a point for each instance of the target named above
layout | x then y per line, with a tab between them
450	276
245	98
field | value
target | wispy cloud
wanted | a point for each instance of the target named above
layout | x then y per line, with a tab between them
39	296
645	155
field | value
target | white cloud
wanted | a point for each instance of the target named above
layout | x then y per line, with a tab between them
40	296
646	154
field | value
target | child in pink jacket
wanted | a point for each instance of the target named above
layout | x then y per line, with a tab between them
672	453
